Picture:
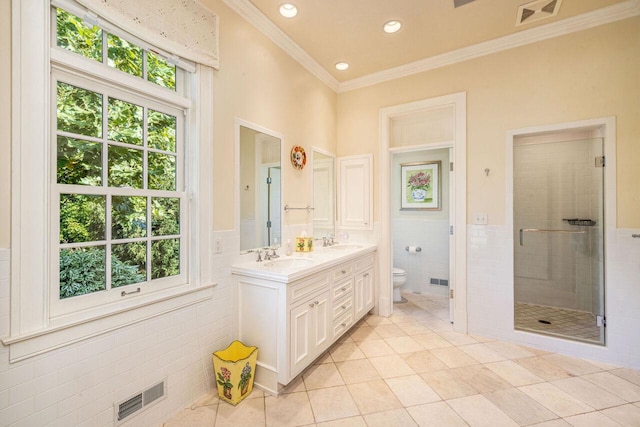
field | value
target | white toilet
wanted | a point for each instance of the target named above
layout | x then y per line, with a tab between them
399	279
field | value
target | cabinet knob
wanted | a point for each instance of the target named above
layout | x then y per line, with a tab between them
316	303
343	324
311	305
365	275
344	271
344	289
344	306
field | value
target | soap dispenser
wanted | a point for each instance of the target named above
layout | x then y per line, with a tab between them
288	249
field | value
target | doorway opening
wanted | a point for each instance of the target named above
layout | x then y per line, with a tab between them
439	123
420	217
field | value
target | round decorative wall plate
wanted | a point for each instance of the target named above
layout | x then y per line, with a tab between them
298	157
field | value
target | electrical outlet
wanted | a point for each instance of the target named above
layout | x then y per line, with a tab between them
480	219
217	246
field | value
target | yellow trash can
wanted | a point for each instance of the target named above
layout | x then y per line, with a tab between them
235	368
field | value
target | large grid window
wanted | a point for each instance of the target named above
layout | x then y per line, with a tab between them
118	196
103	232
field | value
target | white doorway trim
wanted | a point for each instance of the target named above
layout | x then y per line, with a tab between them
458	205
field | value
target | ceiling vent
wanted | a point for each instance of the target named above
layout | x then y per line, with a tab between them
458	3
537	10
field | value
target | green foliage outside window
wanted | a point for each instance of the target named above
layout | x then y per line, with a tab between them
160	72
74	35
82	162
124	56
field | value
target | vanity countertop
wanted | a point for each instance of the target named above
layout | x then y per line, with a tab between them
287	269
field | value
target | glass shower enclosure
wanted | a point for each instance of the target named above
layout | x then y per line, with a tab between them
559	238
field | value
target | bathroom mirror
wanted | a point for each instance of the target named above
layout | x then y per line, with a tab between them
259	186
323	192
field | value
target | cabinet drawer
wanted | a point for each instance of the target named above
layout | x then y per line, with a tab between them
342	306
343	288
343	271
301	290
342	325
364	263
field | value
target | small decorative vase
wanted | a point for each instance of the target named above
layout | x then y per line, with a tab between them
418	195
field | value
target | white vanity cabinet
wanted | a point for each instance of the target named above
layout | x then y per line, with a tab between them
294	318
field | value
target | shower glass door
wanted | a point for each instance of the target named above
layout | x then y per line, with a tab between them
559	238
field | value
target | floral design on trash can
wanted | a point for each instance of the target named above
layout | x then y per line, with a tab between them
245	376
224	379
234	371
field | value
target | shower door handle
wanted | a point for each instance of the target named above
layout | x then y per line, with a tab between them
544	230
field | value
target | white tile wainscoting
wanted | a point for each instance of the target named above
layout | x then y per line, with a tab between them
490	296
78	384
432	236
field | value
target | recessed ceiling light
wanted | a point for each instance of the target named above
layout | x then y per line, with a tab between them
342	66
288	10
392	26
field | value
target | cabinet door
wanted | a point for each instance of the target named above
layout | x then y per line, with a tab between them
355	187
369	290
302	342
323	319
363	293
310	326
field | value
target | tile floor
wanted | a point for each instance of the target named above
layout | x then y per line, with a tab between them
564	323
412	370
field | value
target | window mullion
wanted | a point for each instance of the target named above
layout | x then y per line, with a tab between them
105	176
149	228
144	65
108	243
104	141
145	145
105	48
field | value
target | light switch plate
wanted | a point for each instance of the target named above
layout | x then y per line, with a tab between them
480	218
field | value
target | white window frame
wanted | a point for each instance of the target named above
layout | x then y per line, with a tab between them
34	329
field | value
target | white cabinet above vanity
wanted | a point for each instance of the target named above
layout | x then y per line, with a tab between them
294	308
355	187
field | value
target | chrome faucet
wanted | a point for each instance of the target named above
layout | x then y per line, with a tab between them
274	254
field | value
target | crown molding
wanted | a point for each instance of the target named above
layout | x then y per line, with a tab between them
606	15
624	10
248	11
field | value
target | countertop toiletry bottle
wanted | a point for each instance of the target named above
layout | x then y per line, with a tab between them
289	251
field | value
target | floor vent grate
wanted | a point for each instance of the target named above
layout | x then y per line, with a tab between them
441	282
139	401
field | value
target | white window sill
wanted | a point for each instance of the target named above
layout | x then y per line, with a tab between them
34	343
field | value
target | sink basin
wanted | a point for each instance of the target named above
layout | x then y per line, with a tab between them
345	247
286	263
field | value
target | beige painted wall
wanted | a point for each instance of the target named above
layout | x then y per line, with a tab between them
5	120
260	83
256	82
589	74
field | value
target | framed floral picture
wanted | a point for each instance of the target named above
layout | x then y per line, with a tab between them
420	183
